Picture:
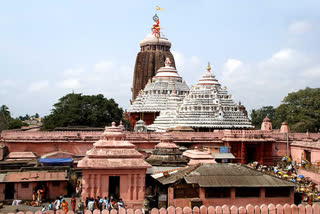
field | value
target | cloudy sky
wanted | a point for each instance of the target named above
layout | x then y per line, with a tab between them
261	50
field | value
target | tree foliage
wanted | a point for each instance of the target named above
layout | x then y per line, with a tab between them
5	117
7	122
301	110
83	110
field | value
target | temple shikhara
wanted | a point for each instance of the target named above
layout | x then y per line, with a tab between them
186	146
154	49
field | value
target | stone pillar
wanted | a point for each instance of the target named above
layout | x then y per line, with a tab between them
233	194
261	153
262	193
171	197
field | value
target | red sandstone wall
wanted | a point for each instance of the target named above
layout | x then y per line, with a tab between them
78	142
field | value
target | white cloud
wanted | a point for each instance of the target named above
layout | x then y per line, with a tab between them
38	86
268	81
233	64
69	84
73	72
299	27
103	66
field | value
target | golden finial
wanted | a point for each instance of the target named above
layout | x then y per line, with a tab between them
208	67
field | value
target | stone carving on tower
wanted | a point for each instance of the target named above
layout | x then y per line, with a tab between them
154	49
207	106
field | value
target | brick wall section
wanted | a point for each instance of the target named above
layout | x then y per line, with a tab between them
249	209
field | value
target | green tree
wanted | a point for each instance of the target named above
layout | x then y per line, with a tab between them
257	115
5	117
83	110
301	110
16	124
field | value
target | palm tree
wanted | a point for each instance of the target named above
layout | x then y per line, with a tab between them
5	117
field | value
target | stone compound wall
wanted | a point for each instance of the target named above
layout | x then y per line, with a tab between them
249	209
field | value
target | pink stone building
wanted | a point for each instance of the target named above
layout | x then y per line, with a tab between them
20	185
114	168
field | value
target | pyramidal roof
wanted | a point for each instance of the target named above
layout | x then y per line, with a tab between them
208	105
167	153
154	96
113	152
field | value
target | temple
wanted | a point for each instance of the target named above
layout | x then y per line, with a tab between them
114	168
208	106
153	98
154	49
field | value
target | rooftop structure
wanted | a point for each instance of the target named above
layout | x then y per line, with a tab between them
196	156
167	153
207	106
154	49
154	97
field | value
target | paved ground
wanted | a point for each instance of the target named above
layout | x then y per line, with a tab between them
24	208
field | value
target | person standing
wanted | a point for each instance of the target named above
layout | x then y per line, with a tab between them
91	204
73	203
57	204
64	206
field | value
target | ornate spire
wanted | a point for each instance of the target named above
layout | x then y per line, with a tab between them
208	67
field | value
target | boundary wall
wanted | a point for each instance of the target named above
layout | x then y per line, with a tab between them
249	209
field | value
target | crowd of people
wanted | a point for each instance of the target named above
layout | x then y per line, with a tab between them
286	169
103	203
60	204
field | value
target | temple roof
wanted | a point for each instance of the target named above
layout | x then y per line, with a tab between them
113	152
208	105
155	95
167	153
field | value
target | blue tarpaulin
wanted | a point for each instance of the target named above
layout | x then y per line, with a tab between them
55	160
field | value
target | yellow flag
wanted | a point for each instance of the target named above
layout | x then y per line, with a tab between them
158	8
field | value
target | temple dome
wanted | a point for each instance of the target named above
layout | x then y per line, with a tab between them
167	72
208	78
152	40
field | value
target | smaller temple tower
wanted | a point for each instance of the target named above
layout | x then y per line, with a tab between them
266	124
114	168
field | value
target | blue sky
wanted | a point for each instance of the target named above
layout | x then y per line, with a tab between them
261	50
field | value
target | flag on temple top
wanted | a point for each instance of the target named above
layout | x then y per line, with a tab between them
158	8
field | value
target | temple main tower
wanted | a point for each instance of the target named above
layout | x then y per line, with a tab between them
154	49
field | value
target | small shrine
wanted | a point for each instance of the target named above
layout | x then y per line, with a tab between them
167	153
266	125
114	168
196	156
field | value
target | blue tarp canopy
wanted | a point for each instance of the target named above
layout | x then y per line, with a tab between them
55	160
